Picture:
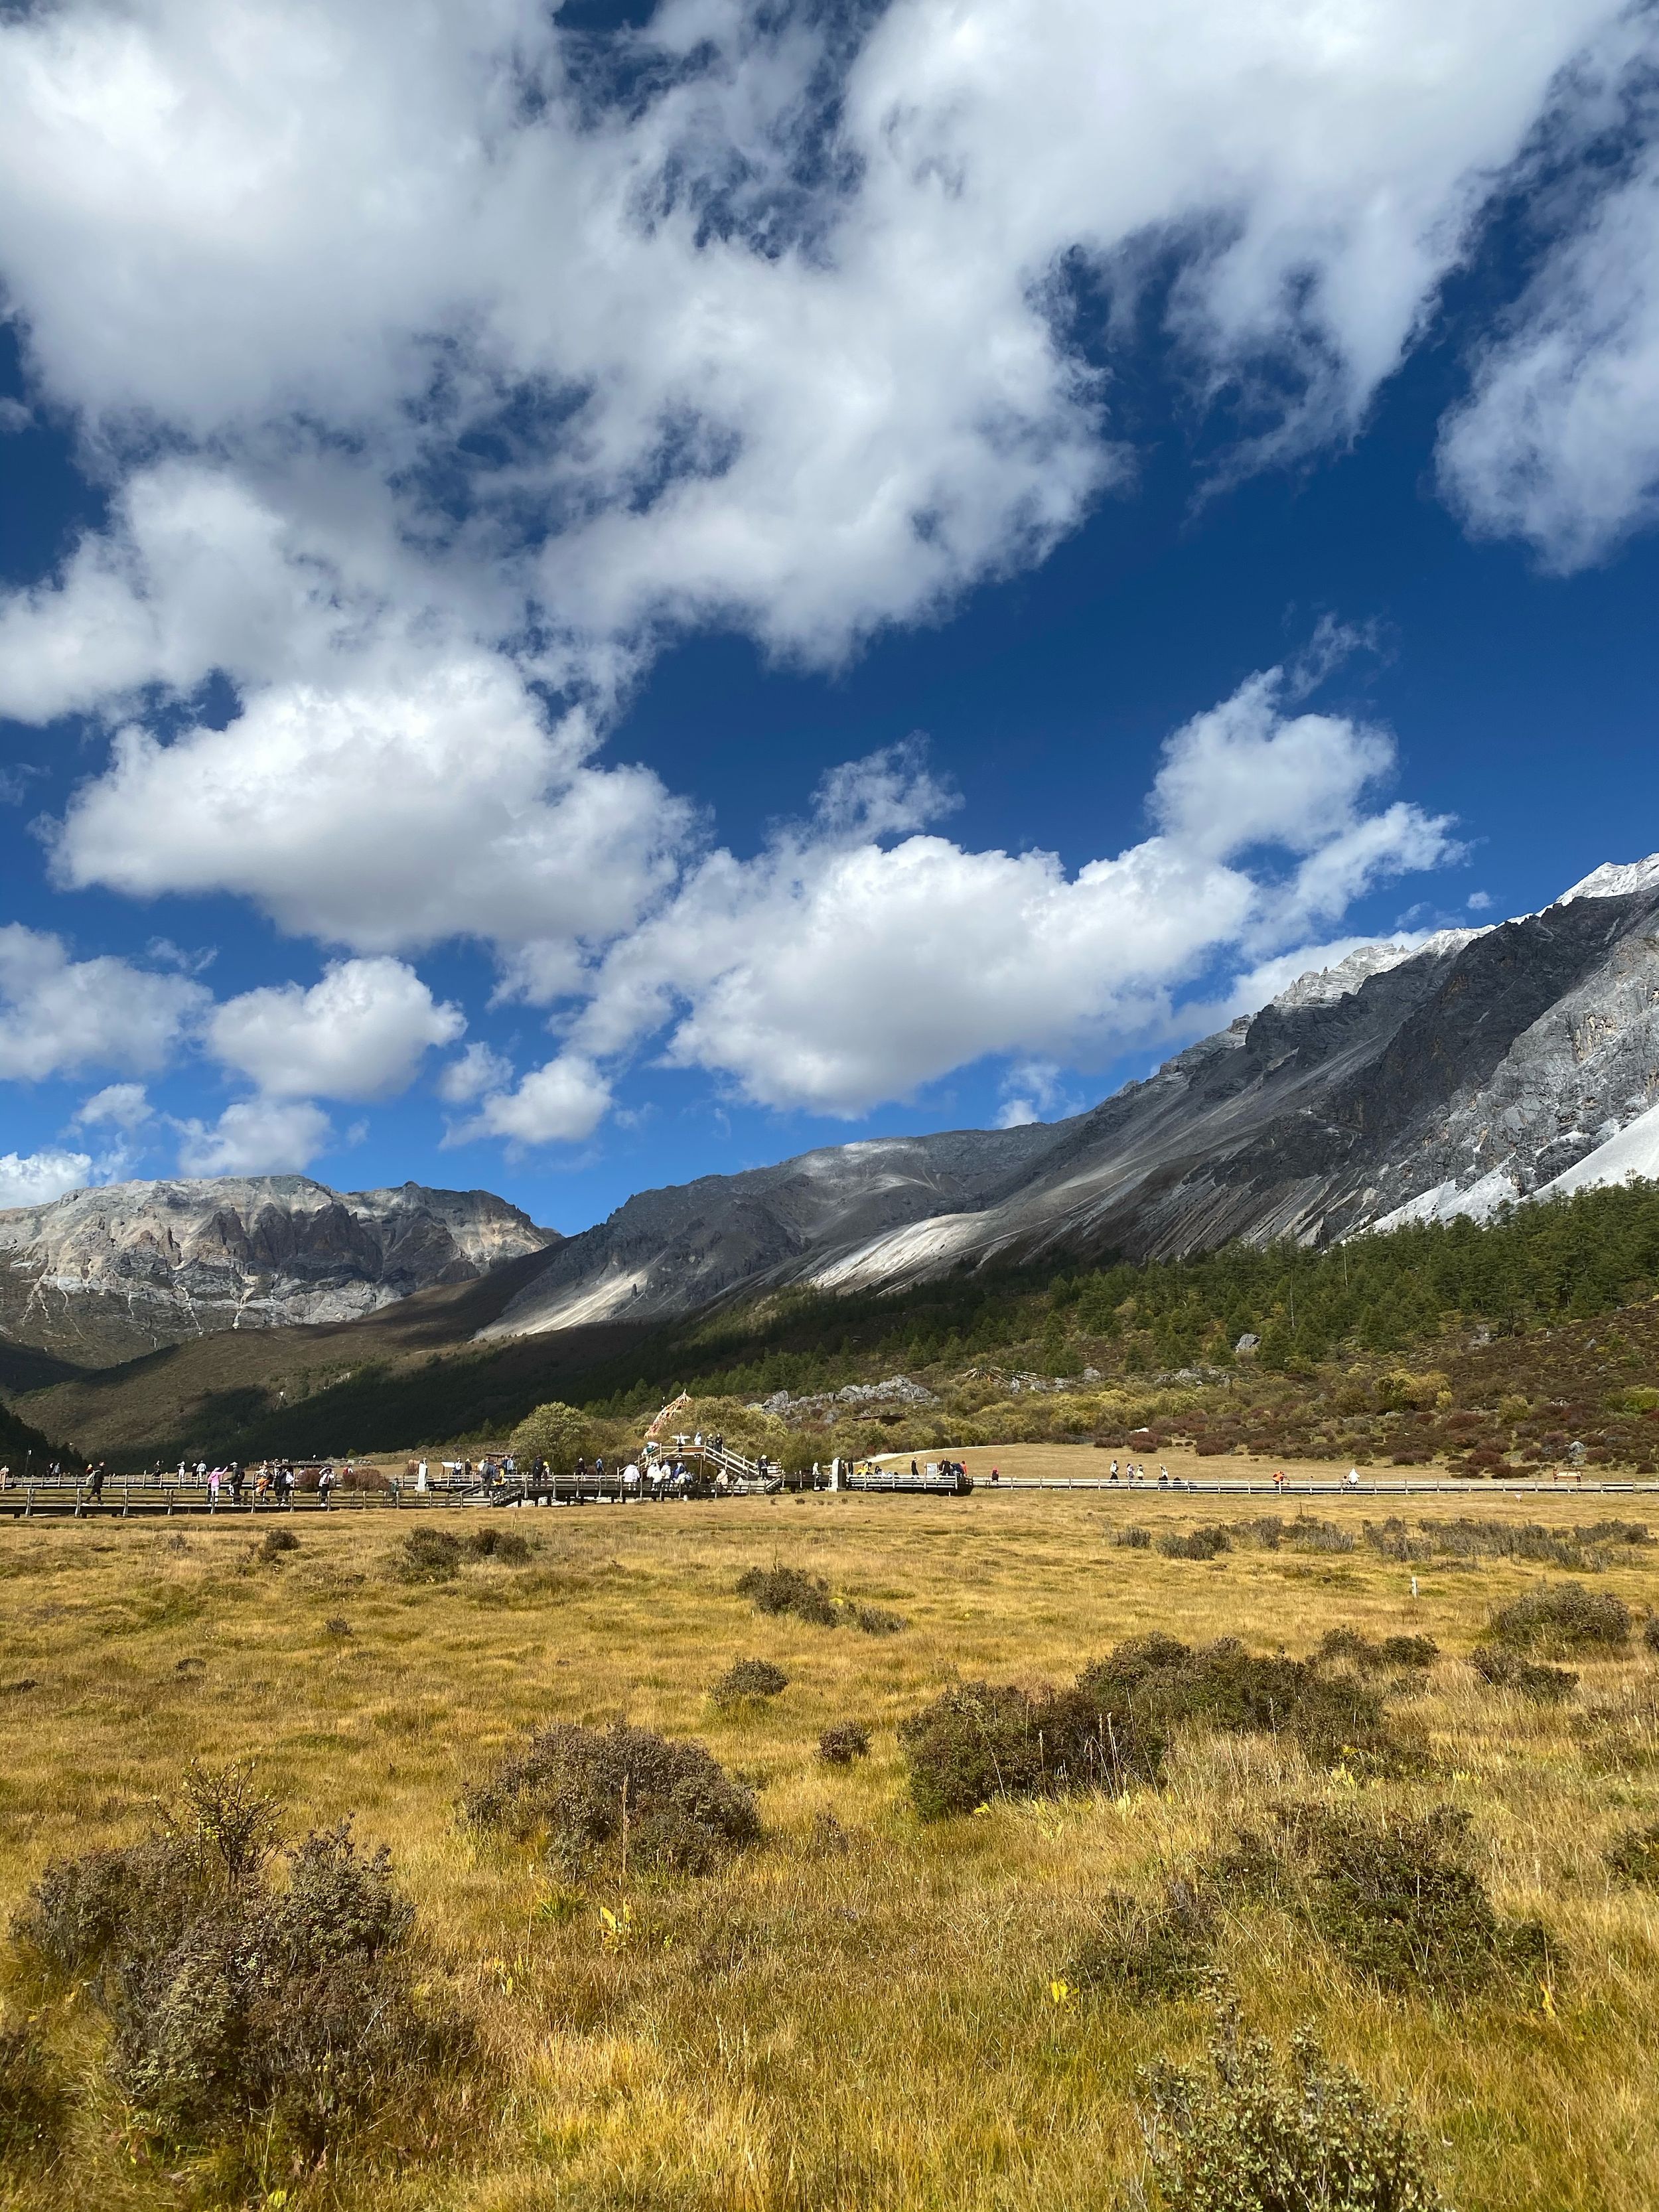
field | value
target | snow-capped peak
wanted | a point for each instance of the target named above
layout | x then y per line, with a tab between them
1616	880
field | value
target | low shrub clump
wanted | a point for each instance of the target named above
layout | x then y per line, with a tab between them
277	1541
747	1678
840	1746
436	1555
1206	1543
1112	1728
1650	1634
1633	1857
586	1794
1372	1656
1559	1618
1402	1905
34	2104
1335	1720
876	1621
1144	1951
792	1590
1133	1539
234	2000
981	1741
429	1555
1508	1670
505	1545
1245	2135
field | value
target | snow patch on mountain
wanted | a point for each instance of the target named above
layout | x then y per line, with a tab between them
1323	987
1634	1151
1615	880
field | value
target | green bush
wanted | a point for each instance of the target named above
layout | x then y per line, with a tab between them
233	1999
1142	1951
981	1741
1559	1618
748	1678
840	1746
1206	1543
1221	1685
1402	1905
437	1555
1633	1856
1508	1670
588	1793
429	1555
1349	1645
876	1621
1247	2136
34	2104
557	1432
505	1545
790	1590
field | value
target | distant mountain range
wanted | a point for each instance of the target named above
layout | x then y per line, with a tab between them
1409	1083
103	1274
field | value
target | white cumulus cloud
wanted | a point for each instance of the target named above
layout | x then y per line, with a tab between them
59	1015
36	1178
560	1102
255	1136
424	798
361	1033
833	971
1559	443
117	1105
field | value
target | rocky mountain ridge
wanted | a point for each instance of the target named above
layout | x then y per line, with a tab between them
105	1273
1411	1082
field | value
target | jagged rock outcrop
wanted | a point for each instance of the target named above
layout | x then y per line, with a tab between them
104	1273
1479	1067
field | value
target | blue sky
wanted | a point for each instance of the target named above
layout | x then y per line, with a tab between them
585	606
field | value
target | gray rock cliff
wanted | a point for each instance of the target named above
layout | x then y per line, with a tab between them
105	1273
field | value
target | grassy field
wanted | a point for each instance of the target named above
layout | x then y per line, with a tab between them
861	2012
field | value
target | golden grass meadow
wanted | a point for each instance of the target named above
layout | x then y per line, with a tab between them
864	2009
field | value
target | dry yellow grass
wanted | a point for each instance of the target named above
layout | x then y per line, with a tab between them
854	2019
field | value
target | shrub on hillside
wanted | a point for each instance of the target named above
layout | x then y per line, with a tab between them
506	1547
840	1746
231	1999
790	1590
1221	1685
1348	1645
981	1741
34	2103
1508	1670
1144	1951
588	1793
276	1542
429	1555
1133	1539
878	1620
747	1678
437	1555
1633	1856
1206	1543
1559	1618
1247	2136
1402	1905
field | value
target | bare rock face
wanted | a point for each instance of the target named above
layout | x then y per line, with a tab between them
103	1274
1477	1068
